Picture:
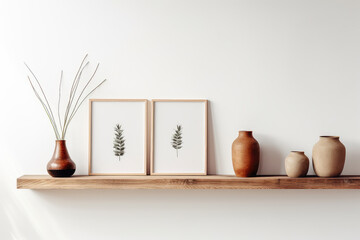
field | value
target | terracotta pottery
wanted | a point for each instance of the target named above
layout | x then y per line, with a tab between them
245	155
296	164
328	156
61	164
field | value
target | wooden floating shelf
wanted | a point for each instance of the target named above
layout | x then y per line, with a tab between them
186	182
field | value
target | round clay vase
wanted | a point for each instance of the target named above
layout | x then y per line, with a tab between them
245	155
296	164
61	164
328	156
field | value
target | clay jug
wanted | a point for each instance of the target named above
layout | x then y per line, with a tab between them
245	155
328	156
296	164
61	164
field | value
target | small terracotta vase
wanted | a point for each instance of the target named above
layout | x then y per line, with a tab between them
328	156
296	164
61	164
245	155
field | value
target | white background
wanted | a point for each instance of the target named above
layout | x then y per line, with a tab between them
191	157
132	118
288	70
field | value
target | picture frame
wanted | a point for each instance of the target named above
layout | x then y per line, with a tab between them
186	149
112	149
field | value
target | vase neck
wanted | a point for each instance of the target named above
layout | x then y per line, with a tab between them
245	134
60	149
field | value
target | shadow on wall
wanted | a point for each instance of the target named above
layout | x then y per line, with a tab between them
211	143
352	162
18	216
271	158
88	200
140	206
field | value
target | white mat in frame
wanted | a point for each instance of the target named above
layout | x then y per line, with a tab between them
174	150
131	115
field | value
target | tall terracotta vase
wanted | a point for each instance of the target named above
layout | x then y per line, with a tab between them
61	164
245	155
328	156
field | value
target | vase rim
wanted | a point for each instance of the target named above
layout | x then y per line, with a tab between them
330	137
245	131
297	151
61	140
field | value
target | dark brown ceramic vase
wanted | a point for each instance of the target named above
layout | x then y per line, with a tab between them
61	164
245	155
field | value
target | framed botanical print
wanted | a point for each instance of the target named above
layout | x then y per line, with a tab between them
178	137
118	137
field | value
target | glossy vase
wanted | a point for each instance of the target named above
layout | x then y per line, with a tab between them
61	164
328	156
296	164
245	155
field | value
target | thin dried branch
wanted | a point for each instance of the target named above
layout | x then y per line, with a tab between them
71	108
61	77
71	117
84	88
71	99
47	102
71	93
76	87
45	108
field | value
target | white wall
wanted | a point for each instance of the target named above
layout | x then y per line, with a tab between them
288	70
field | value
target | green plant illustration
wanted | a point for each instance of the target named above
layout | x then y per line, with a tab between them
119	141
177	139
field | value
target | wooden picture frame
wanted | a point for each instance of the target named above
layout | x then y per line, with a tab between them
145	128
153	170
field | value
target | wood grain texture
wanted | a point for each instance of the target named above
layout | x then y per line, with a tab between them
186	182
